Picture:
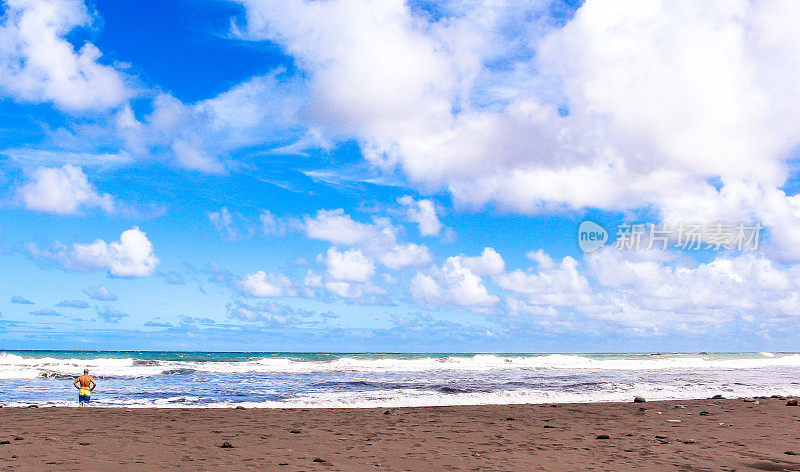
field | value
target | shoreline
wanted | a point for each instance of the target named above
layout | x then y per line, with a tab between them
259	406
700	434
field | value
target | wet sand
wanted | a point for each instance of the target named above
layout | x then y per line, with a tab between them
694	435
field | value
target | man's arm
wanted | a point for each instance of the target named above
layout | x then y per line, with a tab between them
92	385
75	383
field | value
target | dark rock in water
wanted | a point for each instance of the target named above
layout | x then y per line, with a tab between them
779	397
387	412
790	453
660	437
510	418
603	436
638	399
792	402
240	407
688	441
317	459
18	438
295	431
704	413
549	426
32	406
749	400
226	445
6	441
628	434
717	397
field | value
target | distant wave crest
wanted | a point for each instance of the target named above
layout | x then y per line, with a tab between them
15	366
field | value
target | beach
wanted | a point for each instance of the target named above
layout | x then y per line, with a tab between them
687	435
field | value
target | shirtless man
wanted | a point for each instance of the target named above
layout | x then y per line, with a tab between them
87	384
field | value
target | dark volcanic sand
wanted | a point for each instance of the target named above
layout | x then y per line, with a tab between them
735	435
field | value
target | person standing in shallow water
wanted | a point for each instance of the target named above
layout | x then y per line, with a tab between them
85	384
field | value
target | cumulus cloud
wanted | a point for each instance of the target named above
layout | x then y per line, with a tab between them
263	285
639	104
377	240
488	263
554	284
651	292
452	284
131	256
62	190
349	266
365	292
337	227
38	64
422	212
377	69
100	292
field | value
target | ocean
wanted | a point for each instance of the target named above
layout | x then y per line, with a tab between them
308	380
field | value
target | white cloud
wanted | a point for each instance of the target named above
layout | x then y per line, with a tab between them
263	285
354	291
62	190
422	212
377	240
201	136
100	292
379	71
349	266
347	276
230	226
453	284
646	291
662	98
38	64
488	263
396	256
554	284
274	226
131	256
337	227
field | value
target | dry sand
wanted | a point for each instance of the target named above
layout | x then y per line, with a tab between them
652	436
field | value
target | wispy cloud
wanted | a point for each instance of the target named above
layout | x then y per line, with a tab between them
20	300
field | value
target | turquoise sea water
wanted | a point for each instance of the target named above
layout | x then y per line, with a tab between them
263	379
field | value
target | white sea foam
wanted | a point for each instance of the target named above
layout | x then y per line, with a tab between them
396	398
15	366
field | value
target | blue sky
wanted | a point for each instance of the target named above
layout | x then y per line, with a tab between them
344	175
